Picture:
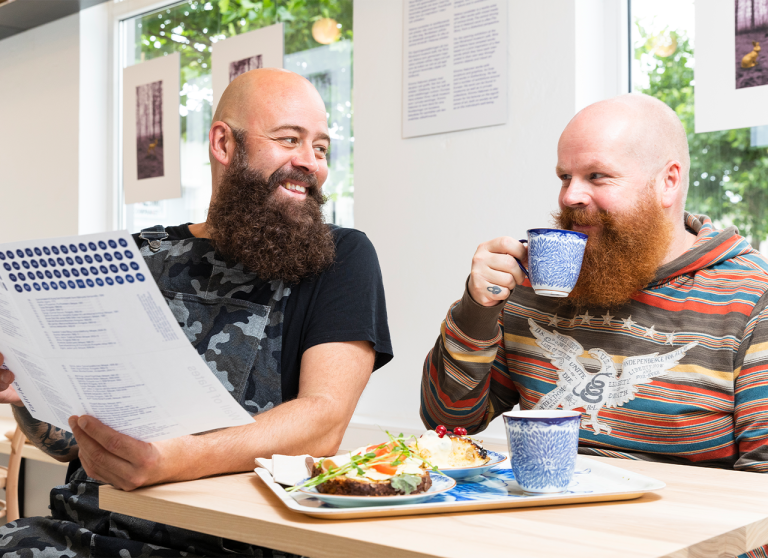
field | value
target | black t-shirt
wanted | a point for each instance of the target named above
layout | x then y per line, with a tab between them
344	303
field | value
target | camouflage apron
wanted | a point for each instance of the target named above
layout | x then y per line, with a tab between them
241	341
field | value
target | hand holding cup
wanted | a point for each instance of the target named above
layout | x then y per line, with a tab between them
495	270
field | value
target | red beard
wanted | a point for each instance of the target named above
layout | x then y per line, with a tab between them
622	255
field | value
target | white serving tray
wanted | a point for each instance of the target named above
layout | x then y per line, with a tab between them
593	481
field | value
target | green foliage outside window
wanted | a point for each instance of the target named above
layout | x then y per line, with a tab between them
193	27
729	177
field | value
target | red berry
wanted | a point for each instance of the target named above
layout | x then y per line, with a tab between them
441	430
459	431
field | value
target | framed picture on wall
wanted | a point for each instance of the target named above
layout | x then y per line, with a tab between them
731	64
151	132
262	48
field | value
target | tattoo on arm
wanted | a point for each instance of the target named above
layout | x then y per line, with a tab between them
494	289
54	441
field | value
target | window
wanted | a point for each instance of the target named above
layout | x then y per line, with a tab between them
729	169
193	28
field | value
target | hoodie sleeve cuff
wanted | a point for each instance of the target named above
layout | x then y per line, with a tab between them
475	320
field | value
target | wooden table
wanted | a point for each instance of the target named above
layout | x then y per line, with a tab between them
701	513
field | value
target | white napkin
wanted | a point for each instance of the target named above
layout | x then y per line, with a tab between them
287	469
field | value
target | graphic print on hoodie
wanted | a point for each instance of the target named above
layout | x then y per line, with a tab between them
678	374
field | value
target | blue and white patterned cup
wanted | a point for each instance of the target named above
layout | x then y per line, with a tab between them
554	260
542	448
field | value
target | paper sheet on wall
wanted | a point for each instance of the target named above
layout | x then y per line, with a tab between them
260	48
454	65
85	330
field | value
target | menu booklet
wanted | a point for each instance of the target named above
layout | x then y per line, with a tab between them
86	331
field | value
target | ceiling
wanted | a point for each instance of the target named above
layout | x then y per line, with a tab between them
17	16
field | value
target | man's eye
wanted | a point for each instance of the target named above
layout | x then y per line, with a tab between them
321	149
596	176
291	140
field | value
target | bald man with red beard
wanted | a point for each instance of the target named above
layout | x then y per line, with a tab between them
286	310
656	280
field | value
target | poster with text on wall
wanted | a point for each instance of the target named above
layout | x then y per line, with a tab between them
262	48
151	132
454	65
731	64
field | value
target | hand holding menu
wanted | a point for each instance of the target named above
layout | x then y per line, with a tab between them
85	330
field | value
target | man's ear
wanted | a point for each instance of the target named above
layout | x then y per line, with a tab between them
221	142
672	187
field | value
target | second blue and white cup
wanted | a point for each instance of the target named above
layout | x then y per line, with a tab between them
554	260
542	448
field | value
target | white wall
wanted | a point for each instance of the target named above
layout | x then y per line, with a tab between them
39	158
39	106
97	211
601	50
426	203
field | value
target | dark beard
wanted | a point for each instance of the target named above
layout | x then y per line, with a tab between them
275	238
622	258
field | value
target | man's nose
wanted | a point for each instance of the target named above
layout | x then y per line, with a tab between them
306	159
577	194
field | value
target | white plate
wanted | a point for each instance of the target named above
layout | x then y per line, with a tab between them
466	472
440	484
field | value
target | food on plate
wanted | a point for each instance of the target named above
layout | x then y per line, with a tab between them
445	449
388	469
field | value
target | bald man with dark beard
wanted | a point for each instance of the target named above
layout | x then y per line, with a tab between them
286	310
662	343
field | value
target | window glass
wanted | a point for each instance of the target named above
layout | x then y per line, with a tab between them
729	169
318	45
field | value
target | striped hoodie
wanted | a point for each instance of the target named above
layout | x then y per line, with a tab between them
679	374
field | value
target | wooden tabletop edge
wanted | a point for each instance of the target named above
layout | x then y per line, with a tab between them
287	538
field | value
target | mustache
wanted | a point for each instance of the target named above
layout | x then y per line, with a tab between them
282	175
569	217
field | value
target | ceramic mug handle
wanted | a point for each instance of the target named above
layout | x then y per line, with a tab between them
523	241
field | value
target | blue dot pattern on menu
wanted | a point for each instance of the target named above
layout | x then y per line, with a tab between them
75	268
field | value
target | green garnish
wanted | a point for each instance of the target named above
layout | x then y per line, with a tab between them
406	483
397	455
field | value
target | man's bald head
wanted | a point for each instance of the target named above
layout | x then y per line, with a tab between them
255	90
646	128
280	119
